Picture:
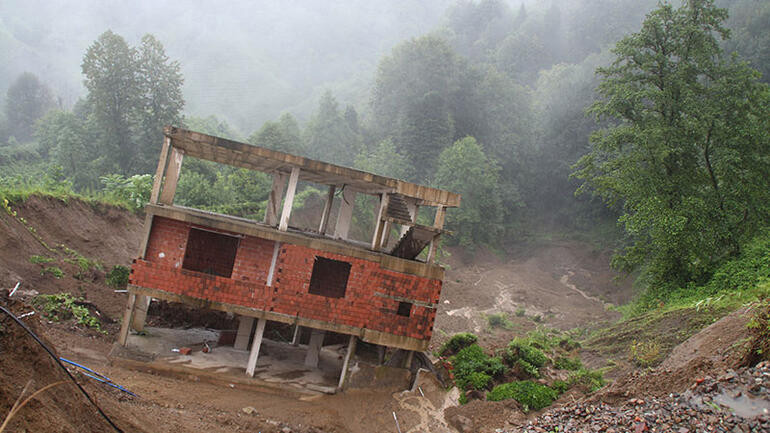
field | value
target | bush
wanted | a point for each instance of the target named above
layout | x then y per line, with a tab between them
645	353
499	320
40	260
473	369
591	380
560	386
117	278
457	343
53	270
565	363
759	327
531	395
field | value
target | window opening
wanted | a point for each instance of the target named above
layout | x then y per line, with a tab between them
404	308
329	277
210	253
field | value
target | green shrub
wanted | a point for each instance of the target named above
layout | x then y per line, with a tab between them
63	306
55	271
457	343
520	312
566	363
531	395
471	361
560	386
525	367
499	320
591	380
40	260
117	278
522	349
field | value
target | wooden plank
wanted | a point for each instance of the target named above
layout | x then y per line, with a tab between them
274	199
173	169
255	345
159	172
289	201
345	214
327	210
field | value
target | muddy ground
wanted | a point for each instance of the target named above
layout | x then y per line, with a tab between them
560	284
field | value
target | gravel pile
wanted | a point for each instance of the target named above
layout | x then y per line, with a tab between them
735	402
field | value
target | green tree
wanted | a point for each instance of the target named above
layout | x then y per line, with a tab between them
384	160
114	89
283	135
27	100
465	169
328	135
685	153
161	101
62	136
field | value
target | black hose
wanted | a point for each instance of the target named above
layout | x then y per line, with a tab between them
56	358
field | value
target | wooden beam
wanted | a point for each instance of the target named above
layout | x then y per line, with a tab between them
254	354
128	316
345	214
327	210
173	169
289	202
348	355
274	199
159	172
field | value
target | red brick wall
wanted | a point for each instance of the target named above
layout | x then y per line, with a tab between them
360	307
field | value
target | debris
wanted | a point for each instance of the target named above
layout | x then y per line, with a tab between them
26	314
120	291
184	351
18	283
397	426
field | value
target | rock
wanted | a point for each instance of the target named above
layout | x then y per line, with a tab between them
248	410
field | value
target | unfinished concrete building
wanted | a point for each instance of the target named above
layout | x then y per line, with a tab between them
271	271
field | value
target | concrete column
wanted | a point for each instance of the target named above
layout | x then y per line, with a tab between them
140	312
173	170
345	214
314	348
409	357
295	337
349	354
245	323
327	210
274	199
128	316
283	225
381	350
254	354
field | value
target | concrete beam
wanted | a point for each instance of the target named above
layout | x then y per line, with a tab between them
254	354
160	171
314	348
245	324
348	355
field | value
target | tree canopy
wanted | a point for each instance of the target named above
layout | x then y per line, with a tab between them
685	153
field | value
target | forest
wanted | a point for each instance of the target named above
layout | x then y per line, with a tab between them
641	125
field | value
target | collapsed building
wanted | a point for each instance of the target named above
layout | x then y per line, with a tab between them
272	271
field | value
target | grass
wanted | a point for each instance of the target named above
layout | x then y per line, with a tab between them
54	271
499	320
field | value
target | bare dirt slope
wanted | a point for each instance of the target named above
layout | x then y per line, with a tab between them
563	284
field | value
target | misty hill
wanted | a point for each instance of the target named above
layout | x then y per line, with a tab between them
245	61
